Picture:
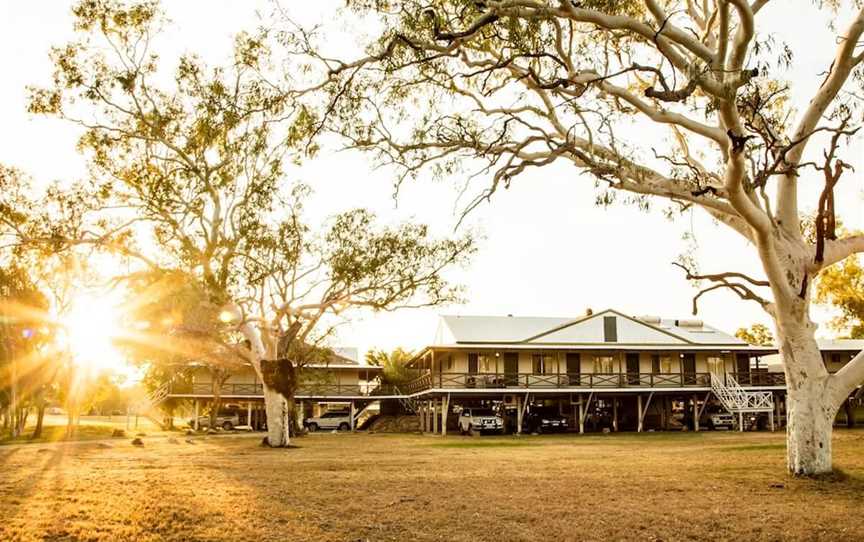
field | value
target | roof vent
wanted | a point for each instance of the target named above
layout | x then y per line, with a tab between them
509	316
688	323
649	319
589	311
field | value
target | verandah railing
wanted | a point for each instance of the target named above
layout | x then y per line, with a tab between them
494	380
304	390
583	380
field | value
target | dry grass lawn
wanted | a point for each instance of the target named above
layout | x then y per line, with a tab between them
702	486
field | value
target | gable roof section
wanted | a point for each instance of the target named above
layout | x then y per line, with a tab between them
590	329
586	330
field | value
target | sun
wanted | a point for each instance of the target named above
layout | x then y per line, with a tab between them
90	328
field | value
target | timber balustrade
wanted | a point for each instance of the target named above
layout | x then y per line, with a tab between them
304	390
492	381
582	380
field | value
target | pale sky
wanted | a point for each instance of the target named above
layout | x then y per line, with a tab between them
548	250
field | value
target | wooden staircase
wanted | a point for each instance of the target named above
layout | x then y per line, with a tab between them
148	406
739	401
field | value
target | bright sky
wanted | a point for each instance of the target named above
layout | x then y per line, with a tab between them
548	250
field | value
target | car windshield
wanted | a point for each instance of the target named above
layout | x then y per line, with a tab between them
482	412
334	415
546	412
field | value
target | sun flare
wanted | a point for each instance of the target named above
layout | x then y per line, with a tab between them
90	329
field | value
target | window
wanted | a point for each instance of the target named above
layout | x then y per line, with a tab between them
840	359
487	363
665	364
542	364
715	365
603	364
447	363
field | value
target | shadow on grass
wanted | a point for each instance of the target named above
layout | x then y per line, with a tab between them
477	443
753	447
57	433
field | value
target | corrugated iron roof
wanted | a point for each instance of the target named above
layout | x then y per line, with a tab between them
584	330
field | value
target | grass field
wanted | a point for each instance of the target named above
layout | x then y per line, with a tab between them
88	428
345	487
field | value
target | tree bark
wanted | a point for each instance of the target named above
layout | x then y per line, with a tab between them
808	433
40	416
278	418
810	407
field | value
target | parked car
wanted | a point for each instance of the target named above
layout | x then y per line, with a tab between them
544	420
340	420
721	420
225	420
479	420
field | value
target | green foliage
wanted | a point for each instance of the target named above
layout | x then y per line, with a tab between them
394	364
842	286
191	163
757	334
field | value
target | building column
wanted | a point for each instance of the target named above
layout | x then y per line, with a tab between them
518	414
434	416
581	415
351	415
249	415
639	412
196	414
445	408
784	418
741	422
421	413
615	414
695	412
663	407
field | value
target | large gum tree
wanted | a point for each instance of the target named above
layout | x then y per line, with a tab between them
681	100
188	185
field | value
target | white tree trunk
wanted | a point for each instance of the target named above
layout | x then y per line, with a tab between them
278	423
810	405
808	433
275	406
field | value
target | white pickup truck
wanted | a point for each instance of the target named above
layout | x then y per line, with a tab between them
479	420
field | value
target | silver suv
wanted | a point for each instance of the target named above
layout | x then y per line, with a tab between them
329	420
225	421
479	420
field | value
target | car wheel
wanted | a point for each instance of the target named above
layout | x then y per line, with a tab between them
344	427
312	427
227	426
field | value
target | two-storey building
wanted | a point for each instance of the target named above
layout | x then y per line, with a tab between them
602	370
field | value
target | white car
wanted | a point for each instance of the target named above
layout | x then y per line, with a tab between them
479	420
329	420
721	420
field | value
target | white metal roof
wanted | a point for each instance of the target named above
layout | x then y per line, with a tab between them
583	331
850	345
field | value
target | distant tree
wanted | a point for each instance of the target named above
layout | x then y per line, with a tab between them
685	102
192	164
22	337
757	334
842	286
394	363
